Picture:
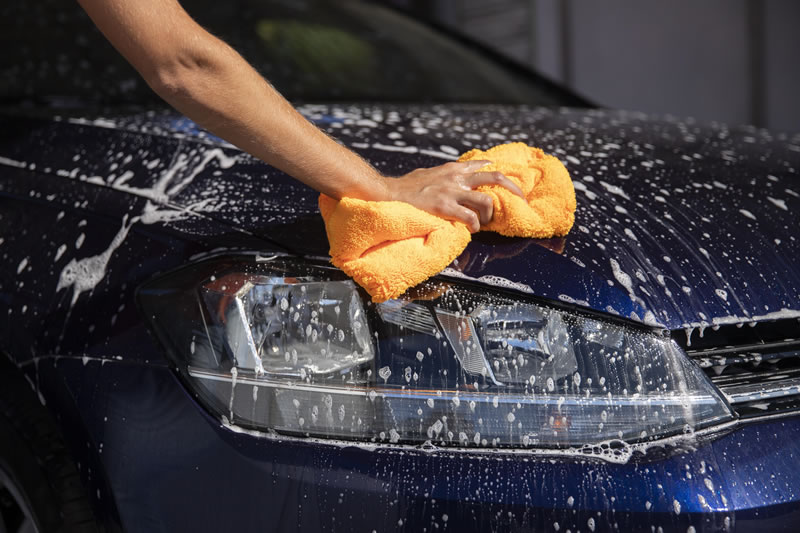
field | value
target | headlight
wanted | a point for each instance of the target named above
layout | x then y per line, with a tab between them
295	347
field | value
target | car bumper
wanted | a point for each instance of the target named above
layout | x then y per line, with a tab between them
156	461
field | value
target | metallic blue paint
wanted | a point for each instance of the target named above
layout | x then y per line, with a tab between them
700	241
681	225
156	461
171	467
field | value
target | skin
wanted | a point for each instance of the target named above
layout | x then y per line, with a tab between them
206	80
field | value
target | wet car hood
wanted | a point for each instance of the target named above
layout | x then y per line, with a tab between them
679	224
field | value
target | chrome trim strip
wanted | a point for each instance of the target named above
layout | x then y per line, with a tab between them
763	390
355	390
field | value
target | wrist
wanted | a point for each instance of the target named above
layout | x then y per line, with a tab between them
371	186
386	188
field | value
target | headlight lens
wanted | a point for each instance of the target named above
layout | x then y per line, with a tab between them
295	347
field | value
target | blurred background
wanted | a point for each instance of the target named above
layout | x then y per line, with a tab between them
736	61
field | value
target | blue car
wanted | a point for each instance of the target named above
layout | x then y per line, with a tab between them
179	355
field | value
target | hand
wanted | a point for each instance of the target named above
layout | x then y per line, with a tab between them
448	191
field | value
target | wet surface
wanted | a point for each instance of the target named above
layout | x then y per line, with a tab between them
679	225
143	428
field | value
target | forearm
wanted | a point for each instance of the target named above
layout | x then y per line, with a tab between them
210	83
221	92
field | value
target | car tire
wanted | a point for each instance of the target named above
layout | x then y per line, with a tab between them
40	488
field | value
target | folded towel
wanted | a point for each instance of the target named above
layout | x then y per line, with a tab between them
387	247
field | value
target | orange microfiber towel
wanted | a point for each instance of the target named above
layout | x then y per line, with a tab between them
387	247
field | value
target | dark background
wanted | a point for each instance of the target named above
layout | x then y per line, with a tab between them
736	61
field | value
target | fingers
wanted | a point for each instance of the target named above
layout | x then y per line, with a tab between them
479	203
477	179
459	169
448	191
472	165
465	215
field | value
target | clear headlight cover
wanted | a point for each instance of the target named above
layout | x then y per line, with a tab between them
295	347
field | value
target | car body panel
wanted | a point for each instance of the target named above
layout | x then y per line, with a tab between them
147	195
680	226
669	231
158	449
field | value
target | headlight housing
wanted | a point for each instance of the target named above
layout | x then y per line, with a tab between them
295	347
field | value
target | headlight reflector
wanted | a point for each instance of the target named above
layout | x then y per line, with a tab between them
285	328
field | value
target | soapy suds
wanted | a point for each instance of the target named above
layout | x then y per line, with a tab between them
778	203
615	451
11	162
83	275
747	213
623	278
496	281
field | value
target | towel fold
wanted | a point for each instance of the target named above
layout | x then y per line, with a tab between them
548	209
387	247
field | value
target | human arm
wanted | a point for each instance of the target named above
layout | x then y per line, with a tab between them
206	80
